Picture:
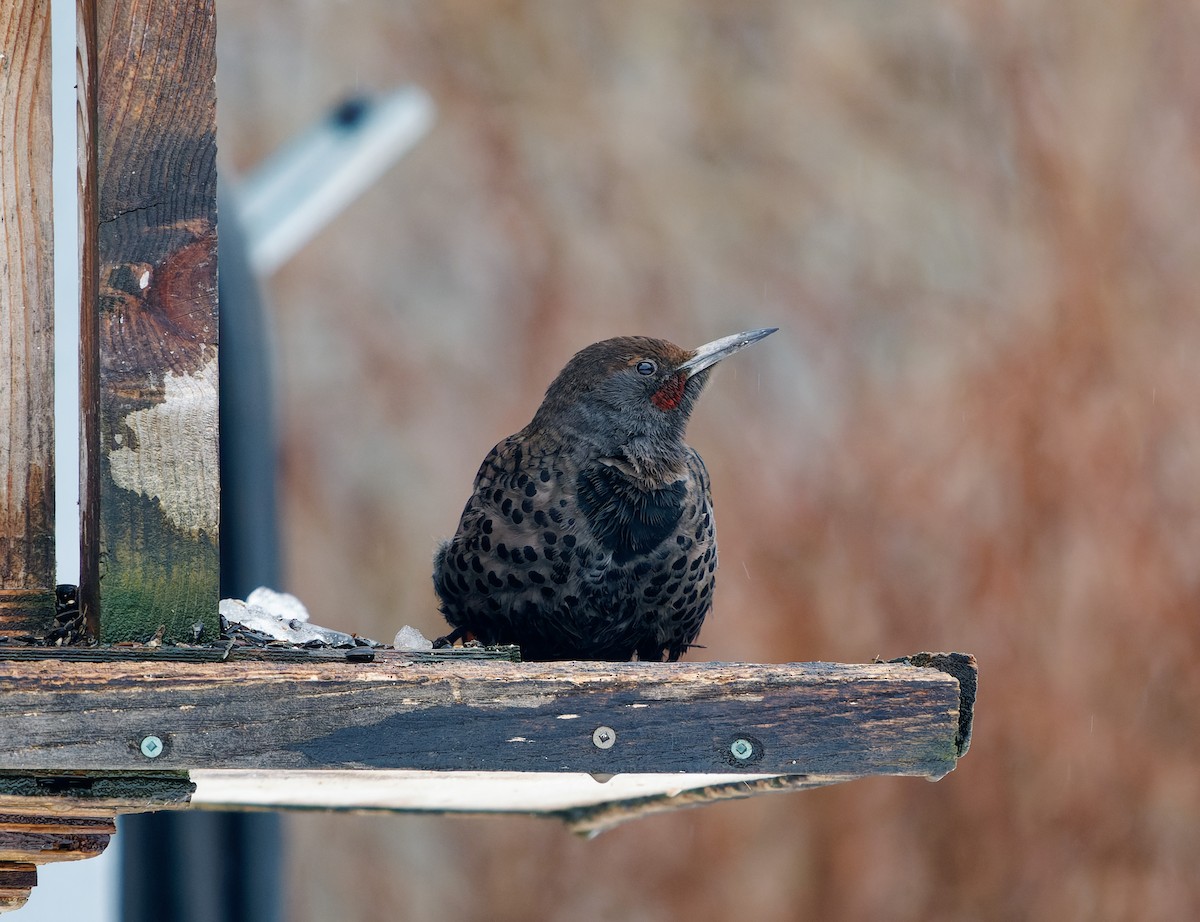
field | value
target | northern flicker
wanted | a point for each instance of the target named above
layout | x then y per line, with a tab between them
590	533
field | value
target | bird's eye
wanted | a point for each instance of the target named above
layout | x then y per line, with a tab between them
646	367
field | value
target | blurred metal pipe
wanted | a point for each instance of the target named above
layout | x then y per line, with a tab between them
300	188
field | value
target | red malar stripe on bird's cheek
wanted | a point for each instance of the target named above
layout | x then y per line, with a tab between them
670	394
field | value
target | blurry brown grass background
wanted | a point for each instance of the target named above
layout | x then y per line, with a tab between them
978	228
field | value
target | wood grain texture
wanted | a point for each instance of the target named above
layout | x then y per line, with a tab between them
17	879
393	713
43	839
30	839
89	318
26	321
153	140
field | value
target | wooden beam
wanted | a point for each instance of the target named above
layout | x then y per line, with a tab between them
151	481
349	724
26	321
394	713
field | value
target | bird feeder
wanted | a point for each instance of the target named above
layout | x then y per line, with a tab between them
146	718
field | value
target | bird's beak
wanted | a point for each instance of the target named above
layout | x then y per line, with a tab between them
710	353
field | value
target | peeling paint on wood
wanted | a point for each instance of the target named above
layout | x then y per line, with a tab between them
153	225
168	452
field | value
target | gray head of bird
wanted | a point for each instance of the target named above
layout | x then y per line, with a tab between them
631	397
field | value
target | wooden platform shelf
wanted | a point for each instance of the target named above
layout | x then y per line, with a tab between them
397	714
93	733
89	732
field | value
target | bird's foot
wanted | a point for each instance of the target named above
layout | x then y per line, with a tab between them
449	639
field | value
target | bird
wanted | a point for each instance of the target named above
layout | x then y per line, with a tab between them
589	534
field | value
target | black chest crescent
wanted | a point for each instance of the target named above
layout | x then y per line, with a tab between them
625	519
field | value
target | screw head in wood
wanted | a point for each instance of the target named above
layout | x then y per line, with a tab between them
152	747
604	737
742	749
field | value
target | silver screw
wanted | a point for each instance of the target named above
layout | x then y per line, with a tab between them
742	749
604	737
152	747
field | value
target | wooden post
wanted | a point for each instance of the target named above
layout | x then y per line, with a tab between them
26	321
150	322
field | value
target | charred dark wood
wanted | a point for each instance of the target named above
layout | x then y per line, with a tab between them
42	839
30	839
962	667
91	794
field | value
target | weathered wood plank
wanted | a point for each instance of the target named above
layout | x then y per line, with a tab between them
963	668
811	718
567	691
153	140
26	321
